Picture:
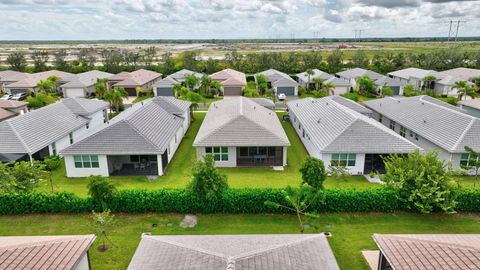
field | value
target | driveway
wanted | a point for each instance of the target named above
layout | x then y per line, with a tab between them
281	104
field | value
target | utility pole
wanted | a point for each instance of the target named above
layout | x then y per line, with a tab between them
358	34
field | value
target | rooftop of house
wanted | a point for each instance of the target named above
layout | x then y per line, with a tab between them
180	75
146	128
387	81
430	251
278	78
359	72
85	79
240	121
30	132
12	104
316	74
136	78
31	80
253	252
445	125
5	114
472	103
230	77
417	73
335	125
461	72
43	252
12	76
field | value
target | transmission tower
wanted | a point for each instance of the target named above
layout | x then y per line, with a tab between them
358	33
453	29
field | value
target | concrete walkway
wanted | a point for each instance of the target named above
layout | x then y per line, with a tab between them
371	256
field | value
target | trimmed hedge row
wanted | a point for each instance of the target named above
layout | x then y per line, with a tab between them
233	201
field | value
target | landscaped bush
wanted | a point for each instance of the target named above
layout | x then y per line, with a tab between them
232	201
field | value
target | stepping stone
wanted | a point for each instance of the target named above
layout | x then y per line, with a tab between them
278	168
152	177
189	221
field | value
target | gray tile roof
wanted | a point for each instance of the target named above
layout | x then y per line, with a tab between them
337	81
447	126
278	78
461	72
146	128
430	251
416	73
359	72
181	74
84	106
316	74
265	102
387	81
136	78
230	77
85	79
473	103
166	82
351	104
335	128
30	132
43	252
239	121
239	252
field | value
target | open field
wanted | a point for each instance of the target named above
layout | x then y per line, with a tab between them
179	170
351	232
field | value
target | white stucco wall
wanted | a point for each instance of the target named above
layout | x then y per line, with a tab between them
232	157
83	263
84	172
339	90
354	170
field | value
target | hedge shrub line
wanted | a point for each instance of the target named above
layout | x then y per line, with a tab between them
232	201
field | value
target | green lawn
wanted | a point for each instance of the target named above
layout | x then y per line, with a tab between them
351	232
178	173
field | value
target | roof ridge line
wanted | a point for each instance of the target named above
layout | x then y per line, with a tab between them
182	245
274	247
140	134
19	137
464	133
407	238
445	107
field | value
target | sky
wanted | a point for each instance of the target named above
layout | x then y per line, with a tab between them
229	19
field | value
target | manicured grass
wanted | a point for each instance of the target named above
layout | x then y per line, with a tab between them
178	173
351	232
141	98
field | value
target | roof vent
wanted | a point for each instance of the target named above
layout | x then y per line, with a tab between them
318	121
398	101
327	103
254	107
423	103
297	104
424	121
142	103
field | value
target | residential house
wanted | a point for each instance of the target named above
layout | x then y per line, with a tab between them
233	82
48	130
428	251
139	141
221	252
10	76
339	132
466	74
341	86
395	84
11	108
65	252
142	78
351	75
280	82
471	106
239	132
442	85
82	84
31	80
164	87
430	124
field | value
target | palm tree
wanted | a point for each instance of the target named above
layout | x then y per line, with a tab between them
330	88
193	107
206	83
318	83
115	97
190	81
309	73
177	89
464	90
101	87
429	80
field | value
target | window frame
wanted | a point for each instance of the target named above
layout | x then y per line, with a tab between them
343	159
86	161
403	131
219	153
392	124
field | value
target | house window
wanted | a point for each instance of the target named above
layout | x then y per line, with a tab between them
465	160
218	153
347	160
70	136
54	149
392	125
87	125
403	131
86	161
380	118
105	116
416	136
411	133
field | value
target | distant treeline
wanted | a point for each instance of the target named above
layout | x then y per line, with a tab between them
231	41
115	61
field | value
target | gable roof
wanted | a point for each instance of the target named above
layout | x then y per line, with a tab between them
316	74
445	125
278	78
430	251
472	103
240	121
32	79
166	82
359	72
85	79
12	76
337	81
146	128
12	104
252	252
336	128
43	252
417	73
135	78
466	74
230	77
4	114
84	106
30	132
387	81
265	102
180	75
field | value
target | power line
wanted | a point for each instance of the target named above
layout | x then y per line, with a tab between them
358	33
454	29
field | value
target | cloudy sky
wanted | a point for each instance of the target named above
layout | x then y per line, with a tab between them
198	19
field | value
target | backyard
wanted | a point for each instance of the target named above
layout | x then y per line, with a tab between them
351	232
178	172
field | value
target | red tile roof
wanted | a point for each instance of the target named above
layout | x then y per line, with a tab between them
43	252
430	251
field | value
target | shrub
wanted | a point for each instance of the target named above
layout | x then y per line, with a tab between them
101	190
208	182
352	96
313	172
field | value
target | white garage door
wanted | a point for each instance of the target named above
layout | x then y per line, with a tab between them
74	92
